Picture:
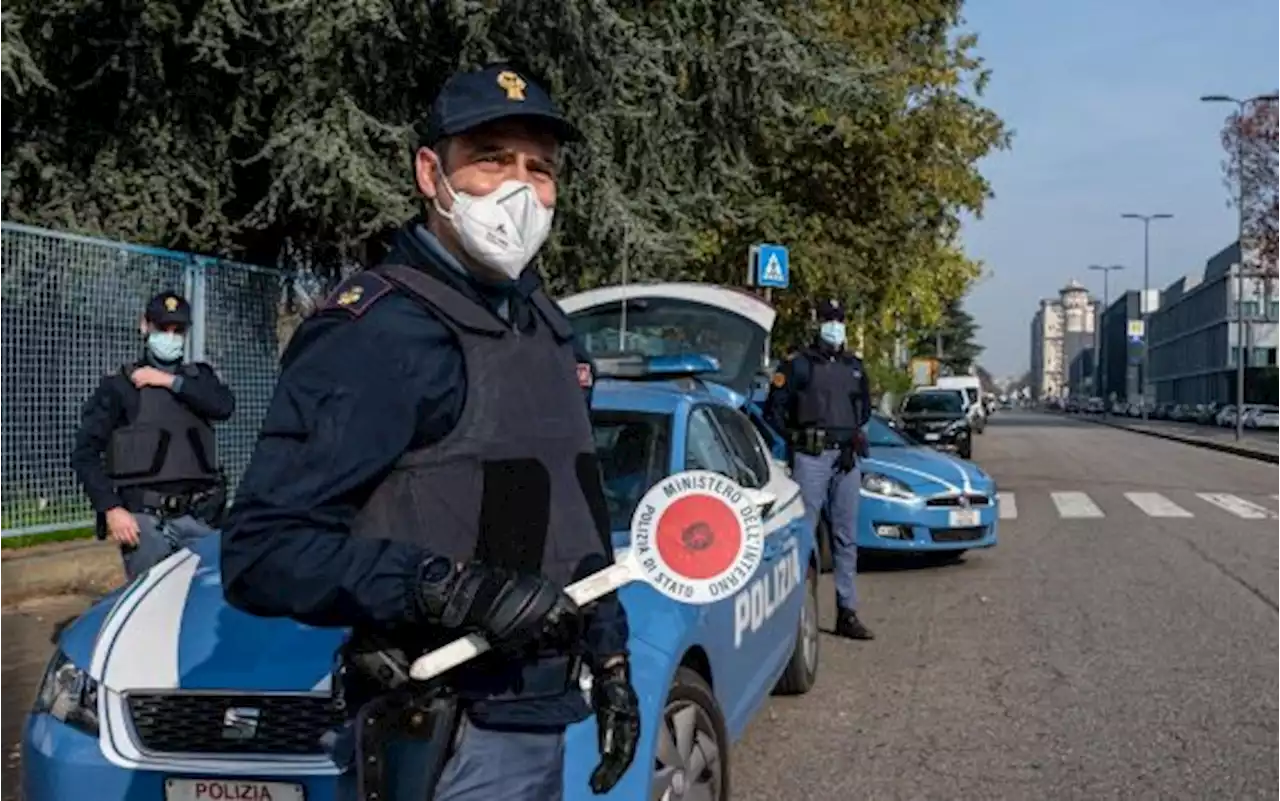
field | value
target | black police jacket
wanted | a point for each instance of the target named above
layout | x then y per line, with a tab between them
364	382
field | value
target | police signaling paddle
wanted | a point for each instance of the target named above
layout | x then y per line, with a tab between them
697	537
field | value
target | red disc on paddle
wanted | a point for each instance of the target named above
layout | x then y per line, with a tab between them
699	536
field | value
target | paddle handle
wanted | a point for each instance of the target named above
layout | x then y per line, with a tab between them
464	649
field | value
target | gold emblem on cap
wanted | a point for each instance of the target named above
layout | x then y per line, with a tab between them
512	84
171	303
350	296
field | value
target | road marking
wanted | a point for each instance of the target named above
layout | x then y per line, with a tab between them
1075	504
1156	505
1236	506
1008	504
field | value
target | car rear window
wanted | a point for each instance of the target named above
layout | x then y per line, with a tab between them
935	401
633	448
672	327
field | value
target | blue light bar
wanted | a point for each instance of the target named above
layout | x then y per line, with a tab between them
638	367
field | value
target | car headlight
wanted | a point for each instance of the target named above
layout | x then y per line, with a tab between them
880	484
957	426
68	694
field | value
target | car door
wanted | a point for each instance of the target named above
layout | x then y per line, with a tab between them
779	596
740	656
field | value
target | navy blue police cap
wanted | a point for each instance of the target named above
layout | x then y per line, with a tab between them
830	309
168	308
495	92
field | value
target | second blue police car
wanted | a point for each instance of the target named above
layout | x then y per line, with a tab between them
164	692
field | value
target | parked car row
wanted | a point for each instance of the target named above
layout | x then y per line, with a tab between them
162	691
1255	415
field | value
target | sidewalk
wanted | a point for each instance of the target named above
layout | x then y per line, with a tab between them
82	567
1261	445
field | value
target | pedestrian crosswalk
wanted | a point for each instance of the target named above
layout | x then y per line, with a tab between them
1075	504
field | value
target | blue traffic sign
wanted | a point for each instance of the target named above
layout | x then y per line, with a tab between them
773	266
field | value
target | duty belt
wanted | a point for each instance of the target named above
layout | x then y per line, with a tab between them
814	441
172	504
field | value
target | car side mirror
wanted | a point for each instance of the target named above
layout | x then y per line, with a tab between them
761	499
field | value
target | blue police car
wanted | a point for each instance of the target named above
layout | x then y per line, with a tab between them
916	499
164	692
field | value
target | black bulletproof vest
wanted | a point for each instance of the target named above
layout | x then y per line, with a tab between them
828	399
516	483
165	441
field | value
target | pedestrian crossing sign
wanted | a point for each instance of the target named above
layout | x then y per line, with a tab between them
772	266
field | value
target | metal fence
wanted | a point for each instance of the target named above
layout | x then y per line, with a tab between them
69	312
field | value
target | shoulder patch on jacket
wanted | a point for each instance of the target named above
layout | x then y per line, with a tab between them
357	294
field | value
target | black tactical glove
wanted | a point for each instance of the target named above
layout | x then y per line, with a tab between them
617	723
848	458
511	610
861	444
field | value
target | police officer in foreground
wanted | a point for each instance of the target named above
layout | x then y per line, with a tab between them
426	469
822	399
145	449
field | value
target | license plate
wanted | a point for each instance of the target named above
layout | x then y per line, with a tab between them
932	437
964	518
231	790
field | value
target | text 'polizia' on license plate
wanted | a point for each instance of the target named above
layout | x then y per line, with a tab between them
230	790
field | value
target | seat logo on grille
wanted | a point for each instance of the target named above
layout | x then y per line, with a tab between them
240	723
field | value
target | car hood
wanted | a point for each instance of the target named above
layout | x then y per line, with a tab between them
172	628
909	418
928	472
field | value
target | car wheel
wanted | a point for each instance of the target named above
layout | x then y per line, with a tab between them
802	668
826	561
692	757
967	451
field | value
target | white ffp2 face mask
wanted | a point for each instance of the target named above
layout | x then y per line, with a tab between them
502	230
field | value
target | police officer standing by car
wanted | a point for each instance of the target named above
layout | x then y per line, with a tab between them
822	399
426	469
145	450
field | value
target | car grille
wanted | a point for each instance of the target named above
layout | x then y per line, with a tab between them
974	499
198	723
958	534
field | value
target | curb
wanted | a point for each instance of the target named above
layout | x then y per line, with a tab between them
92	568
1221	447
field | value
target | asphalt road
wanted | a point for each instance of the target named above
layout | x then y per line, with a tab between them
1115	655
1120	656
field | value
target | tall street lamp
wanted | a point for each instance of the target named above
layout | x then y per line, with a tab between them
1100	350
1242	106
1142	307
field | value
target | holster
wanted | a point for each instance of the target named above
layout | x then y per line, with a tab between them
412	714
403	730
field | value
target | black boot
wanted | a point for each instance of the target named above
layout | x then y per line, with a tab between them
848	626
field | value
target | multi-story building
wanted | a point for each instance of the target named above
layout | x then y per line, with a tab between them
1119	354
1194	336
1080	374
1061	328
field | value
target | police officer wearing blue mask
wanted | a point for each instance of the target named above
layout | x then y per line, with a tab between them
822	399
426	469
145	449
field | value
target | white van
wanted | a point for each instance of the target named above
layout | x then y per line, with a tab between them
972	388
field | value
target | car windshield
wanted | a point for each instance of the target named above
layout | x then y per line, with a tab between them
881	435
633	451
669	327
932	402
